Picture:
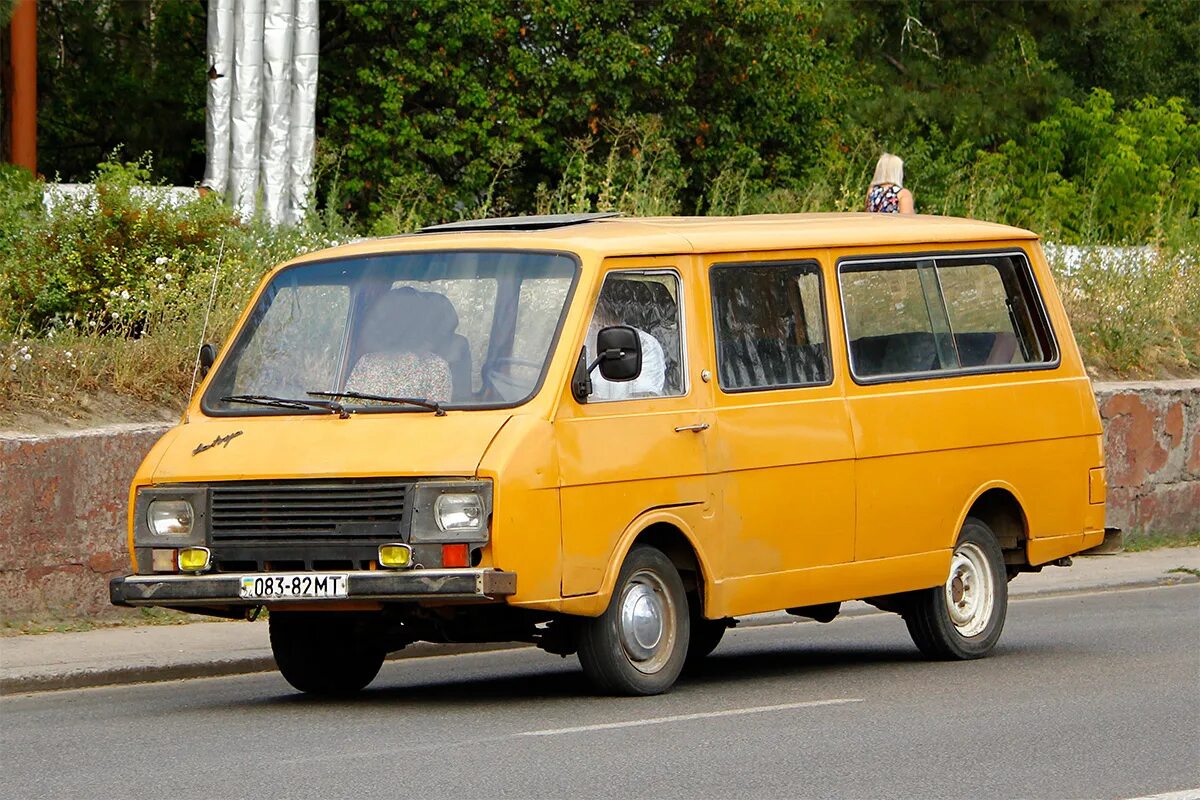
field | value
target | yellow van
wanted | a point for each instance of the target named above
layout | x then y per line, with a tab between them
613	437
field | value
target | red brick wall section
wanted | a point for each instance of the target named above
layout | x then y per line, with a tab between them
62	517
1152	446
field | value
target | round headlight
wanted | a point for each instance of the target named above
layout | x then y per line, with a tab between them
170	517
459	512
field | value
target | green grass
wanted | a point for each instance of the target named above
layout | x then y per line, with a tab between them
1137	542
116	618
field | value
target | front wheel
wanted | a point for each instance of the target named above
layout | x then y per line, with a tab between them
704	634
638	645
324	654
962	619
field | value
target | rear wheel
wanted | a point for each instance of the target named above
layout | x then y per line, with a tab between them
324	654
963	618
638	645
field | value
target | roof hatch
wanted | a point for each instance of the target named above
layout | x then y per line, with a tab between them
528	223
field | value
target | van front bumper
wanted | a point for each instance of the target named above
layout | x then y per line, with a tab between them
225	589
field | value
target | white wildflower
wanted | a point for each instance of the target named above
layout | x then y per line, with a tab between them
124	294
161	260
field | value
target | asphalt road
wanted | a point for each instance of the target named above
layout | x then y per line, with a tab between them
1087	696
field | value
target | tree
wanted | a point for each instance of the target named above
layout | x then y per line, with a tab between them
121	76
448	96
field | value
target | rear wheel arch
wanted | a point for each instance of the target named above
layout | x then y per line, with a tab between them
998	506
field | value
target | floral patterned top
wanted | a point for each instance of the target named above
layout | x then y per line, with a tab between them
885	198
424	376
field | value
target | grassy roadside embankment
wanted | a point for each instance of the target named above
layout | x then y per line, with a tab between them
104	300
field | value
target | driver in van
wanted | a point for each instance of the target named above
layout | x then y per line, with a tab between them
654	367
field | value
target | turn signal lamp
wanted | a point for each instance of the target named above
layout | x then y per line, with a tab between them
395	556
455	555
194	559
163	560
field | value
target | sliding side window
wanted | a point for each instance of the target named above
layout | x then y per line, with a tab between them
770	326
910	317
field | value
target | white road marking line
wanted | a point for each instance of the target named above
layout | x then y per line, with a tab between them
733	712
1183	794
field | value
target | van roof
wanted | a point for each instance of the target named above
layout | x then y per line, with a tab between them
669	235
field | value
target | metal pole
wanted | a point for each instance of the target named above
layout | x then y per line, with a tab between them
23	115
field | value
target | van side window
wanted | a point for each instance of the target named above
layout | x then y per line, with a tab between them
649	303
770	326
990	313
942	313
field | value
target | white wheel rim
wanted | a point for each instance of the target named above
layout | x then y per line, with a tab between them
647	621
970	590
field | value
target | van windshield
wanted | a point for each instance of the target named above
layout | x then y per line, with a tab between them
457	329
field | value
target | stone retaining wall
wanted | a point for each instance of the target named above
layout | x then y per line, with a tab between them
1152	448
62	519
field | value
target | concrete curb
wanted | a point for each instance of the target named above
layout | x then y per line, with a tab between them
261	661
207	668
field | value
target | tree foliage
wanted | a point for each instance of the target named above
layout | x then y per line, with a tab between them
467	98
1037	111
983	71
121	76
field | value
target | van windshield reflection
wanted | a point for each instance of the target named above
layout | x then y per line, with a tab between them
400	332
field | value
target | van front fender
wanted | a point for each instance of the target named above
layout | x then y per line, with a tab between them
653	523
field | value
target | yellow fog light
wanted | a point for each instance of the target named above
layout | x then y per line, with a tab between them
194	559
395	556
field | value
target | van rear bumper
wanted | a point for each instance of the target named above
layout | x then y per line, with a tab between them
225	589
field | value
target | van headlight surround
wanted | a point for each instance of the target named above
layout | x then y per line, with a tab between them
451	511
170	516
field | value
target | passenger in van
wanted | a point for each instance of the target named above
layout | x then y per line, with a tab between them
446	342
887	193
397	358
654	369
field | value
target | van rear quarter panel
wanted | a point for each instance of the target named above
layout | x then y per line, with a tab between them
926	448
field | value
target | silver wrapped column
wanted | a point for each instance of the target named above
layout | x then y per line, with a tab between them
262	105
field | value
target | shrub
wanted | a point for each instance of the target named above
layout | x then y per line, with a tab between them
110	290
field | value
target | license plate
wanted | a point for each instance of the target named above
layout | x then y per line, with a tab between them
285	586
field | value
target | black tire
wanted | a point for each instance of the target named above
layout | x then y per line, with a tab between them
324	654
963	618
704	636
641	659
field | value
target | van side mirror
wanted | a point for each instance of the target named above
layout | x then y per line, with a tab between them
581	383
619	353
208	356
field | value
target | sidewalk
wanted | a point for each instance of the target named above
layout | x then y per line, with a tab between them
206	649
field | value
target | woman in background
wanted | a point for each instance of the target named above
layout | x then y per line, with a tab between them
887	193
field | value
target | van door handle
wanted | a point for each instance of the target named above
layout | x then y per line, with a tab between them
699	426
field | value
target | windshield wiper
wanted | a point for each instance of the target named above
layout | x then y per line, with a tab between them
420	402
332	406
